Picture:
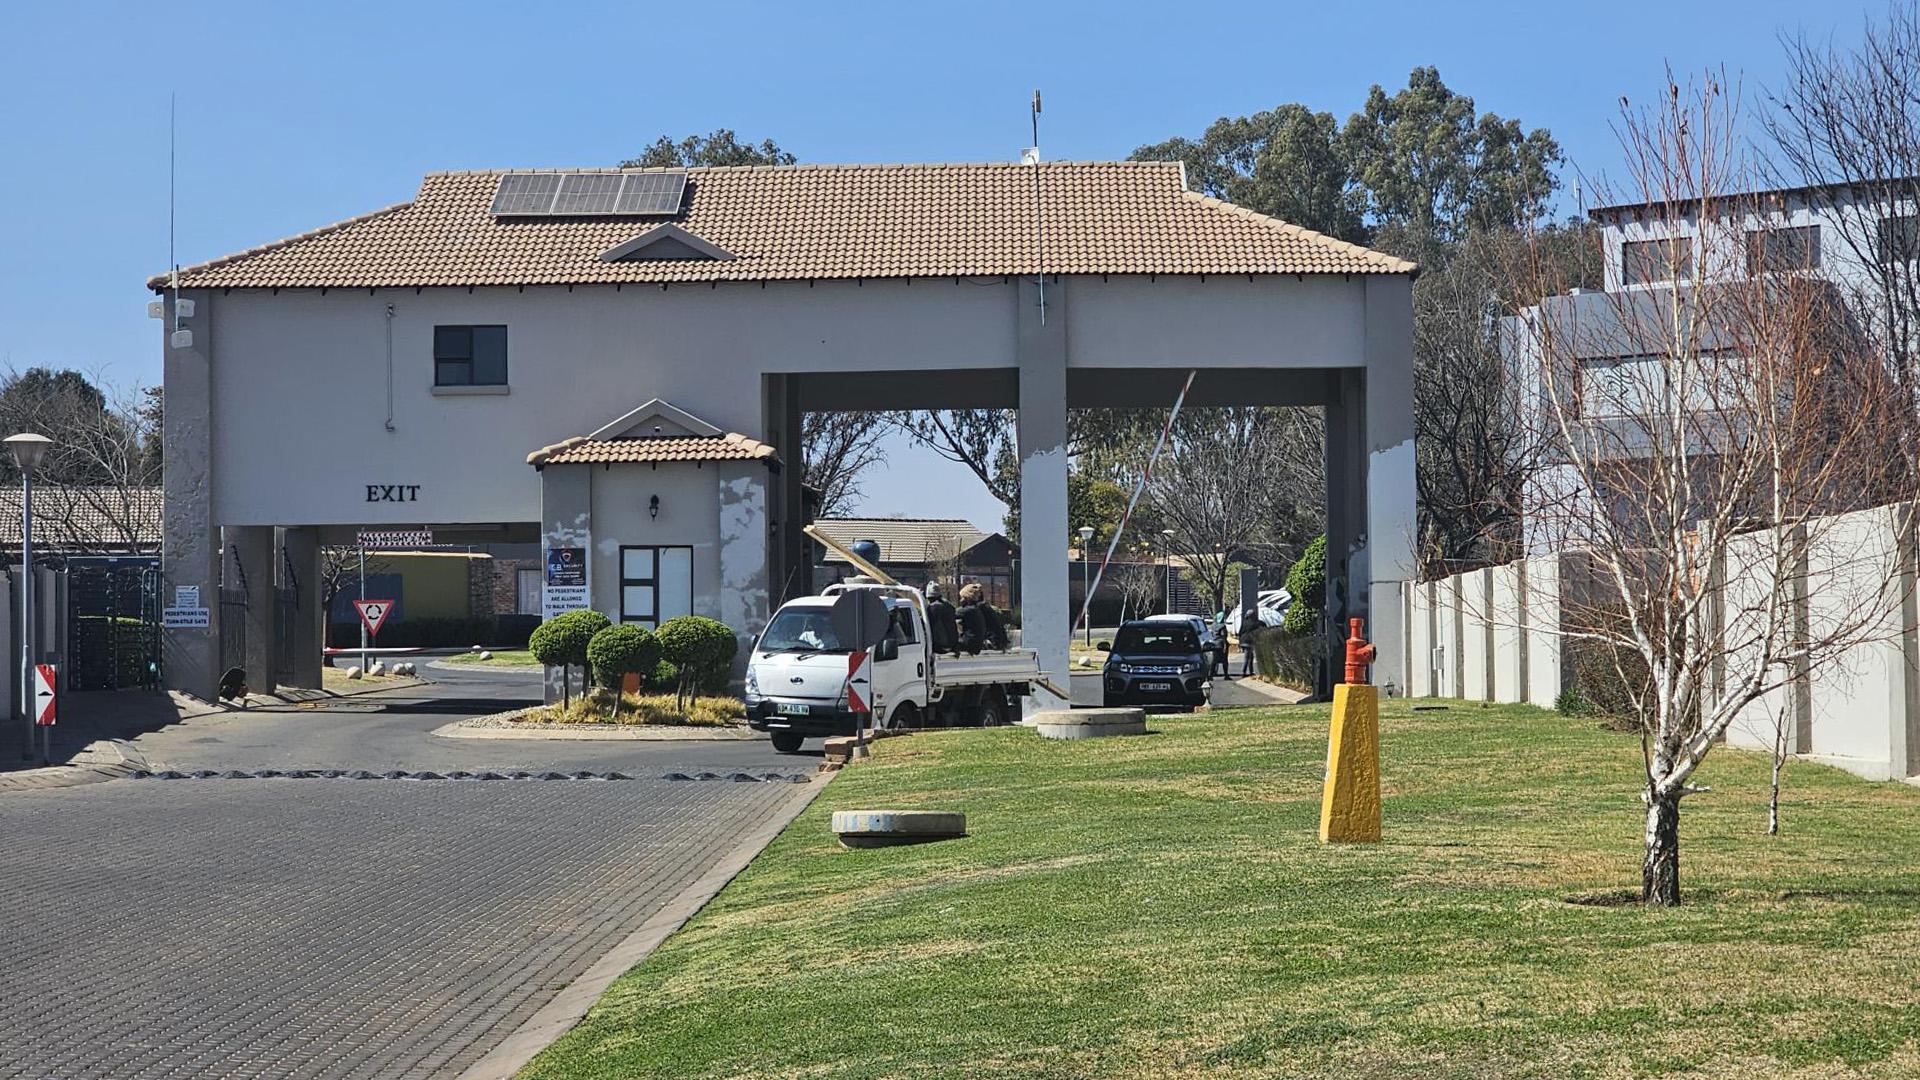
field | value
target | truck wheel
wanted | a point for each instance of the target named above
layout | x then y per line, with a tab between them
788	742
993	709
904	715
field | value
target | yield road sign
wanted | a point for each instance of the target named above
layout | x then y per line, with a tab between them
43	697
372	614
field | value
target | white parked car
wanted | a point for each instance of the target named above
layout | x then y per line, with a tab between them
1271	605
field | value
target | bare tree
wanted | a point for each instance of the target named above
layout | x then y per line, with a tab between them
98	485
1139	583
1214	489
1701	439
839	446
1845	131
340	570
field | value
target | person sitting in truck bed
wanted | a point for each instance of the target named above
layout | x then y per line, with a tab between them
943	631
981	627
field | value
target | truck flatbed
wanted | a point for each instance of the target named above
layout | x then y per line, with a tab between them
1012	666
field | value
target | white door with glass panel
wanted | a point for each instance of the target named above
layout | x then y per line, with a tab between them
656	584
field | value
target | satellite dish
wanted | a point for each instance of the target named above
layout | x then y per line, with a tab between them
859	618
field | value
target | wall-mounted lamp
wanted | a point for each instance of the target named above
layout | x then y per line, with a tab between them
653	506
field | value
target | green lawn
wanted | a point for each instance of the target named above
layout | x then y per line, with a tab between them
1161	907
501	658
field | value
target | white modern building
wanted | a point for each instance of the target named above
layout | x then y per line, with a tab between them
396	370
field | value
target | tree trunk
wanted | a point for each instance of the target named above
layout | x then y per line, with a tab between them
566	685
1773	796
1660	868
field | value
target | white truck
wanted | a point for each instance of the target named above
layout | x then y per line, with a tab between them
796	685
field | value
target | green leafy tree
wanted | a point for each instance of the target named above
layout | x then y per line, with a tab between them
1307	582
562	642
1288	162
719	148
618	651
702	651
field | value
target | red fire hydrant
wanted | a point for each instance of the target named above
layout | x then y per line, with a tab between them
1360	652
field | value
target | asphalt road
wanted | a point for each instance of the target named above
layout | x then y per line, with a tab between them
339	927
1227	693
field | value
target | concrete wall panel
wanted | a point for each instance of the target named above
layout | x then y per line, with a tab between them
1509	636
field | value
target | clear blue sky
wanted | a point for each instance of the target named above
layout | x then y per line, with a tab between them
292	116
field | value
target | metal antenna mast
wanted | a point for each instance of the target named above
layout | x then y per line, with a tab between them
1039	219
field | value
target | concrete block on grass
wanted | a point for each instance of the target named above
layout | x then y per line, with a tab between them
883	828
1089	723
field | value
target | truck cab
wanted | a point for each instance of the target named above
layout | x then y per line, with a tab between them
796	684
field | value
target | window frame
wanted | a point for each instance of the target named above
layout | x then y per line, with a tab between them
445	357
653	582
1905	226
1677	259
1761	260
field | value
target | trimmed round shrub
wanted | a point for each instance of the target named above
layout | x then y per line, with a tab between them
702	649
1307	581
664	676
622	650
562	640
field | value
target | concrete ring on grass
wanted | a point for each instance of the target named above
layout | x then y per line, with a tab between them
1090	723
883	828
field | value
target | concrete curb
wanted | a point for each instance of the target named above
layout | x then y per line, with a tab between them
462	729
1280	694
560	1014
107	759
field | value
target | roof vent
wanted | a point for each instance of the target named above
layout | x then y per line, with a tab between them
641	193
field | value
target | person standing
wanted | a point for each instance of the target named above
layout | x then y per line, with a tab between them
943	630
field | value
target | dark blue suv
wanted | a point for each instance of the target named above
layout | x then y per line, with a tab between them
1155	665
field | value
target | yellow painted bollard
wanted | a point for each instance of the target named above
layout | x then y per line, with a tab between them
1350	802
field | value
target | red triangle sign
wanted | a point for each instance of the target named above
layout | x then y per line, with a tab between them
373	613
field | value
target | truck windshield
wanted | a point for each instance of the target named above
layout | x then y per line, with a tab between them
801	629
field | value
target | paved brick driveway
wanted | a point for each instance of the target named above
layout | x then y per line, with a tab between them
325	928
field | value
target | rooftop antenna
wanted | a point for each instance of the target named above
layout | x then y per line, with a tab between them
1031	156
173	258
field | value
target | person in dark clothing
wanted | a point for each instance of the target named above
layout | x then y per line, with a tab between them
943	631
981	627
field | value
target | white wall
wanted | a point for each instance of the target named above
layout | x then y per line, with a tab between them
1508	634
1474	654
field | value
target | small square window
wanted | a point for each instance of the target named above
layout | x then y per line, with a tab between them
1771	251
1643	262
470	356
1899	238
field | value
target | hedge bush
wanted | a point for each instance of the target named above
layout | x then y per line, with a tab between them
562	642
622	650
702	649
1307	581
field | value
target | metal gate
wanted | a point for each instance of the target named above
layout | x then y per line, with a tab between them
113	626
233	629
286	609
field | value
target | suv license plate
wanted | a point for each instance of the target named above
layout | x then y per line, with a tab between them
785	709
1156	686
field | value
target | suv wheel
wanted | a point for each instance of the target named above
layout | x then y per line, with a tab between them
788	742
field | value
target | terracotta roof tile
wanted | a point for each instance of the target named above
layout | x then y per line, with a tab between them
807	222
581	450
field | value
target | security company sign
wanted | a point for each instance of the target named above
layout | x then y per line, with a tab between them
373	613
860	681
43	683
566	580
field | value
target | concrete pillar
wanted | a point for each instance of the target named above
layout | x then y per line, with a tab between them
566	521
251	569
189	545
300	576
1391	525
1346	519
745	490
1041	348
788	564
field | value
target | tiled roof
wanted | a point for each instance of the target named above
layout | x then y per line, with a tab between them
80	520
807	222
652	448
902	540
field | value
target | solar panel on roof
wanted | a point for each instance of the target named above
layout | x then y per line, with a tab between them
596	193
651	193
587	193
526	193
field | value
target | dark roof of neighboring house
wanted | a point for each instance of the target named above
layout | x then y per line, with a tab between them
79	519
803	223
905	540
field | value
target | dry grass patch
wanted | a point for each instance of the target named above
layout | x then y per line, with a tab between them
641	709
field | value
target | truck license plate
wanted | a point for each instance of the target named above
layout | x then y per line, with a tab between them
785	709
1156	686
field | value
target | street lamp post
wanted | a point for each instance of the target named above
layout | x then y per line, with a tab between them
27	449
1086	582
1168	533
